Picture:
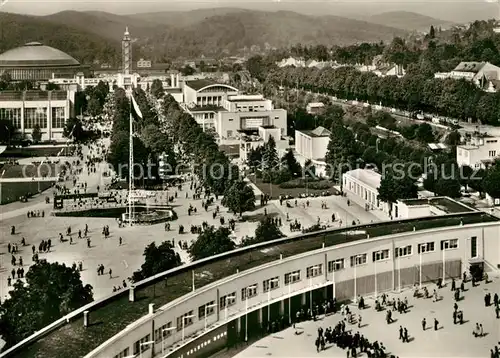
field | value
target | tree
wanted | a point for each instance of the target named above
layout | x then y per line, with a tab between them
157	88
254	157
36	135
94	106
291	163
239	198
270	156
51	291
339	155
74	129
211	242
448	187
432	32
491	183
187	71
396	185
157	259
267	230
424	133
6	131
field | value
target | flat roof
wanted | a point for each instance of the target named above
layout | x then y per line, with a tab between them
444	203
366	176
111	317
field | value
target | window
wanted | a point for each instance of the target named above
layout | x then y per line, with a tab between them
34	116
122	354
449	244
473	246
137	345
58	117
492	153
271	284
208	308
380	255
251	291
402	251
335	265
160	332
184	321
313	271
426	247
12	115
358	260
230	299
292	277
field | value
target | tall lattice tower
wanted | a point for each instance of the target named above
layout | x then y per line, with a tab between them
127	53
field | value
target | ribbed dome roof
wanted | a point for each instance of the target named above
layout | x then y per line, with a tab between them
35	54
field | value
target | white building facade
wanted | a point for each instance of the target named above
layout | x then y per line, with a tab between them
48	109
364	183
479	152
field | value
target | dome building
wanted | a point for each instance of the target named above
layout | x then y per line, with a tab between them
37	62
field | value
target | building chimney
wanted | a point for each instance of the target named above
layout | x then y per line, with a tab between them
172	80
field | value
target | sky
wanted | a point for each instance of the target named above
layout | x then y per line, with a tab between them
454	10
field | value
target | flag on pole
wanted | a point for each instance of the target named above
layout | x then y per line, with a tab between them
135	107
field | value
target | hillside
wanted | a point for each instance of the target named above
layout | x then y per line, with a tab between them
91	36
407	20
236	30
110	26
85	46
183	18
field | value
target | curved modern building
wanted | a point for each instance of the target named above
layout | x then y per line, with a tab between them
198	309
37	62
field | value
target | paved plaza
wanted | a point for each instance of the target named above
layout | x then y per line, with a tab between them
125	259
449	340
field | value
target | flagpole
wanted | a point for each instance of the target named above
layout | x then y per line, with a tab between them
131	167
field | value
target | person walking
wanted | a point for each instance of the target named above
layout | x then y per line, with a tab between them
436	324
110	273
401	333
423	324
405	336
359	321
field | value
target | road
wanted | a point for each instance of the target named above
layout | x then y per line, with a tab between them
400	115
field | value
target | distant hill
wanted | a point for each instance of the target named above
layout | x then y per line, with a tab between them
183	18
110	26
85	46
410	21
236	30
94	35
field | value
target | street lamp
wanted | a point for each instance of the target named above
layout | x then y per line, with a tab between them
290	276
229	297
163	337
375	268
184	323
399	272
149	343
206	312
313	268
273	280
246	309
444	264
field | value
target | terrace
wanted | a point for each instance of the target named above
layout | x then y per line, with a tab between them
114	313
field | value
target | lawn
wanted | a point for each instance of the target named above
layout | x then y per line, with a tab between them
275	190
28	152
32	170
73	340
11	191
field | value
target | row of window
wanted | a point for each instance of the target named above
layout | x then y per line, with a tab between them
34	116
